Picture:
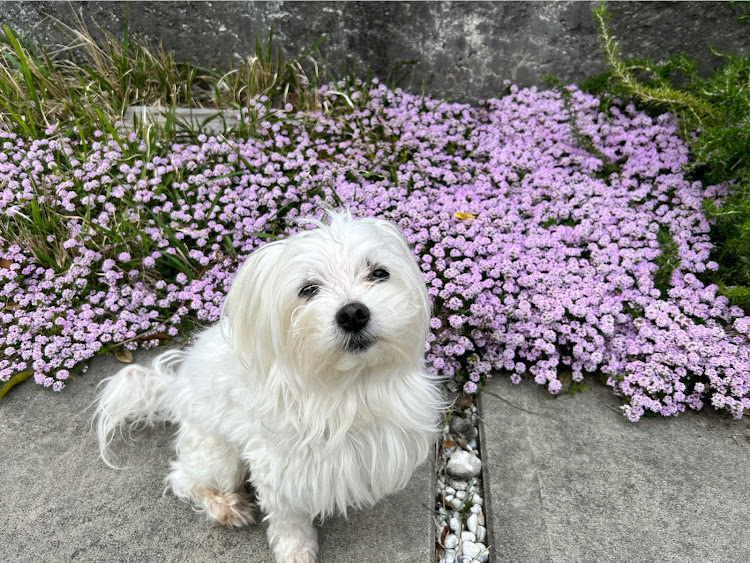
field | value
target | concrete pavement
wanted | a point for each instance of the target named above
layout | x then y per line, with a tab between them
569	479
60	503
566	479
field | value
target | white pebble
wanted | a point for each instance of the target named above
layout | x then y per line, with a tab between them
480	517
460	494
448	498
454	524
456	503
475	552
481	533
476	499
450	556
450	490
472	444
476	509
451	541
459	485
467	536
463	465
471	523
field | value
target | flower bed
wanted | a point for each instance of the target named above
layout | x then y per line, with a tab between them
555	239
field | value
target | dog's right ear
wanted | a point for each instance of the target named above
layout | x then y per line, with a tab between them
248	315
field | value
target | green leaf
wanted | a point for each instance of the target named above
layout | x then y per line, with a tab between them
13	381
46	258
25	67
266	236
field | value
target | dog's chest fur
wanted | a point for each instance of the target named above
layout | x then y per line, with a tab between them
319	451
325	476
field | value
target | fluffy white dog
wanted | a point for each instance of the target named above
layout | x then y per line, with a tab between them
312	386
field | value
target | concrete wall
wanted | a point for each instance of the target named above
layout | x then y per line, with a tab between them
465	49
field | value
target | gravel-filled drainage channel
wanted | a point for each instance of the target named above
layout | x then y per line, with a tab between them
461	527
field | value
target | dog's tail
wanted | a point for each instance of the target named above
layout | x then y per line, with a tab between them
135	397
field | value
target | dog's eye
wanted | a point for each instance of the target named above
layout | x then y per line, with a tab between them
380	274
309	291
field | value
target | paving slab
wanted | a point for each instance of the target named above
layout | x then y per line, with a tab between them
569	479
59	502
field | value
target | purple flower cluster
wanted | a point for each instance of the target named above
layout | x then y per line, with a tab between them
540	251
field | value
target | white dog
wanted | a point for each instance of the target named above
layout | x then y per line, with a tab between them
312	386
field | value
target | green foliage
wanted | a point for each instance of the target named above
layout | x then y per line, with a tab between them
582	141
569	386
714	118
658	91
90	82
13	381
667	261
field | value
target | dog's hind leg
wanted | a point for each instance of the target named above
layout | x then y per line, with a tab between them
210	475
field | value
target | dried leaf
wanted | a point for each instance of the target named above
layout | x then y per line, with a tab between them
155	336
448	444
444	533
124	355
5	263
464	401
566	378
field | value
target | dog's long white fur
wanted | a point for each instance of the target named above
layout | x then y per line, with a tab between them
272	390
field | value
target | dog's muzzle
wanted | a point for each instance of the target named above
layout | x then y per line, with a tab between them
353	318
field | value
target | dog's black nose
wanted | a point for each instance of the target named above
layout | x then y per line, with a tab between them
353	317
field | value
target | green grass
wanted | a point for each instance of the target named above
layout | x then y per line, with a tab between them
667	261
89	83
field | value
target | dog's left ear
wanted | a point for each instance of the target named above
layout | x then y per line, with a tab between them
248	311
393	233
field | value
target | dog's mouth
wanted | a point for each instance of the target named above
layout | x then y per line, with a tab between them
358	342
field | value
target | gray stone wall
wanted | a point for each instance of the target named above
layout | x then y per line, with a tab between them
465	49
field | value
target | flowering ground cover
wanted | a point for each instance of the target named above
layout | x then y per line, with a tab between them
556	240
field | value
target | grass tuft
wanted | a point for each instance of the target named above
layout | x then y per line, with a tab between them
90	82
